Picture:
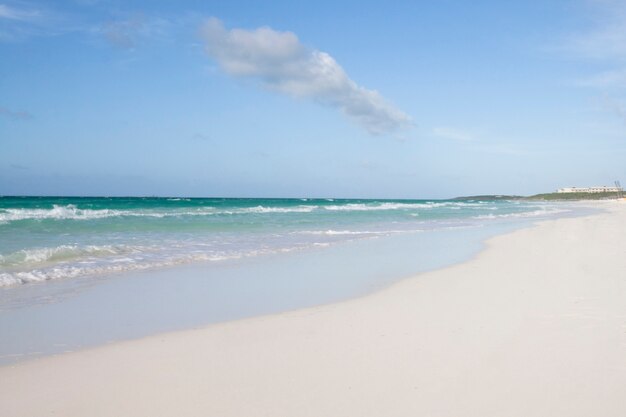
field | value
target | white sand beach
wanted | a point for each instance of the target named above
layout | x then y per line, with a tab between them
535	325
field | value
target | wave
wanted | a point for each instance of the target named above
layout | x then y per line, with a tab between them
74	271
74	268
263	209
534	213
341	232
57	213
350	207
71	212
372	207
35	256
406	206
364	233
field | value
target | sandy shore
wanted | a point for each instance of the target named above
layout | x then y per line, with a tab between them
533	326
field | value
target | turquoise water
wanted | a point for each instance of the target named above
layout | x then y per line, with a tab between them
52	238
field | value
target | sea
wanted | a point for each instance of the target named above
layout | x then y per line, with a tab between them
51	238
78	272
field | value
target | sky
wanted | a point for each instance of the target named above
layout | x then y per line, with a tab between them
355	99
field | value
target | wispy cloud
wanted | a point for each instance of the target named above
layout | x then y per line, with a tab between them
283	64
14	13
123	29
368	165
604	44
23	20
201	137
503	148
127	32
482	141
614	106
607	38
15	114
122	33
452	133
605	79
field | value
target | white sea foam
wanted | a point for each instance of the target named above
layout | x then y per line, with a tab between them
36	256
534	213
78	269
71	212
402	206
56	212
339	232
263	209
372	207
364	233
109	260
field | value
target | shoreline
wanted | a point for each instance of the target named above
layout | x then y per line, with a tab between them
522	328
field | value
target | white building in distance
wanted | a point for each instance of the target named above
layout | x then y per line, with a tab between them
603	189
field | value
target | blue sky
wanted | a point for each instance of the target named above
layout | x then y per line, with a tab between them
316	99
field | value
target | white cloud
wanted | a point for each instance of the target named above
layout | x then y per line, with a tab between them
452	133
283	64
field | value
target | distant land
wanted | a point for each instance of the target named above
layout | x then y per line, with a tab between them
490	197
545	196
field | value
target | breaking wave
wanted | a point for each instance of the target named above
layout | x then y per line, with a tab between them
71	212
72	262
525	214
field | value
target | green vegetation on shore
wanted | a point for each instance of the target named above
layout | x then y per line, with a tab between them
490	197
545	196
573	196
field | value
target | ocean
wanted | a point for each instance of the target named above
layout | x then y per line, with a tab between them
51	238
